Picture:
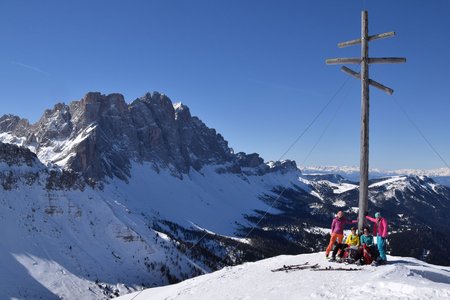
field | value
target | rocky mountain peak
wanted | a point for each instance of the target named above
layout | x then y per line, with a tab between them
95	106
54	125
14	124
182	112
102	135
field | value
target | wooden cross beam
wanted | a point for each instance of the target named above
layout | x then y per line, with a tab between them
357	60
371	38
365	61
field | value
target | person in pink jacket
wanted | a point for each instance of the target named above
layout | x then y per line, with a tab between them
337	230
380	230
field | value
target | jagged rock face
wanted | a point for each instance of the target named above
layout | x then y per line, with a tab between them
249	160
55	125
13	155
198	143
20	128
101	135
20	165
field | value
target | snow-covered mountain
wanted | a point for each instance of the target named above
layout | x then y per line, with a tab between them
66	236
100	198
100	136
403	278
440	175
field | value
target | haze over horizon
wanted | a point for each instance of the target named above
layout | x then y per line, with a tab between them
252	70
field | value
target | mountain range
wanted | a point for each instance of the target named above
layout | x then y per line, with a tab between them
441	175
102	197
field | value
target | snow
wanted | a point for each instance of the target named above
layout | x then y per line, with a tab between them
197	197
374	172
61	255
343	187
58	243
440	175
388	182
177	105
402	278
339	203
318	230
353	209
60	152
317	195
8	138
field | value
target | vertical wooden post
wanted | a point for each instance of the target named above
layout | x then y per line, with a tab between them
365	61
364	158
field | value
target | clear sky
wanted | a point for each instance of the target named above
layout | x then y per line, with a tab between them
253	69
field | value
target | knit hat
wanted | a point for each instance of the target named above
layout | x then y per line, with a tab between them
377	214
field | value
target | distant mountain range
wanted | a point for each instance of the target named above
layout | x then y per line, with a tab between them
441	175
102	197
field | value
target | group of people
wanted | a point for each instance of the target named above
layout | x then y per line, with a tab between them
358	249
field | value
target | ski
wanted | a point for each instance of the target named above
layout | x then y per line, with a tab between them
336	269
302	268
296	267
287	267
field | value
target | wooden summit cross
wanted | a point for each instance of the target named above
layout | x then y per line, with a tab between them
364	61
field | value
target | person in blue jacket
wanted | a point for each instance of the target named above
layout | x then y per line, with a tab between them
366	238
367	251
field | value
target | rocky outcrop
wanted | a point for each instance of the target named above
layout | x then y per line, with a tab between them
18	127
13	155
18	165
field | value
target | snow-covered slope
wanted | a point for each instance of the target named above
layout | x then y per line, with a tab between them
83	242
195	199
402	278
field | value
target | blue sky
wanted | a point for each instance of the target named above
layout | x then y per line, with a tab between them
252	69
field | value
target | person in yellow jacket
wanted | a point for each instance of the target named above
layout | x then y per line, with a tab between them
352	242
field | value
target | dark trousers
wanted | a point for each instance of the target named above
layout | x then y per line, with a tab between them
338	247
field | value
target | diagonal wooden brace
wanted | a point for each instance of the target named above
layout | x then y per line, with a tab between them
371	82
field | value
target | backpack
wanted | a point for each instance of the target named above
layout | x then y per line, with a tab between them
351	254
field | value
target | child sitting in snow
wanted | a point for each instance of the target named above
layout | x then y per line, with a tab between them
351	246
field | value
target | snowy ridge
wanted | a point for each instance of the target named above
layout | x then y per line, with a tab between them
9	138
403	278
60	152
391	182
440	175
374	171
